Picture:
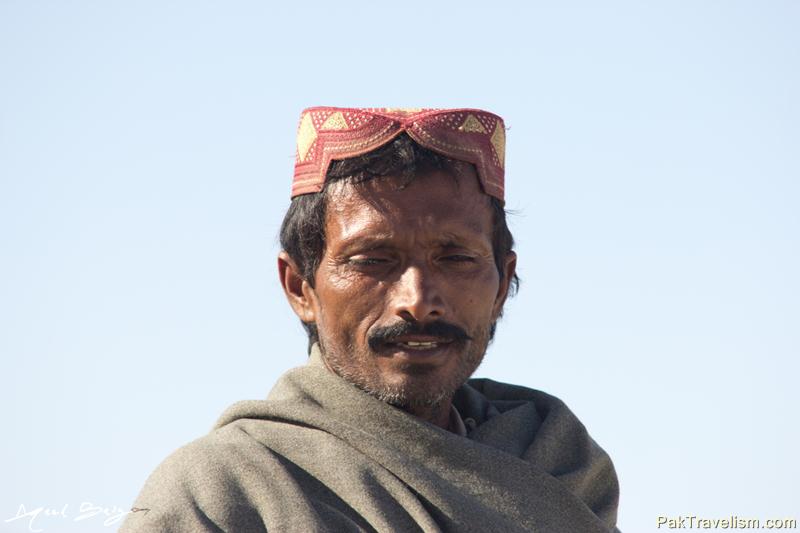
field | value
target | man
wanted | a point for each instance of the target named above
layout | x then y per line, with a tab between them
397	259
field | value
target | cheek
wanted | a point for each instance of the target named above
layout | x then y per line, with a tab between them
475	297
347	304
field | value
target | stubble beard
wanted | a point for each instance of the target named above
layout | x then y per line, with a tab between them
418	390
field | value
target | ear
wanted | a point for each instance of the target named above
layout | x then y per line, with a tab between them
298	291
509	268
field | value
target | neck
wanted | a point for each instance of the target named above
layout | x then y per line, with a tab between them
438	415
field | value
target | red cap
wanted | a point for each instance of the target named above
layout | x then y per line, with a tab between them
332	133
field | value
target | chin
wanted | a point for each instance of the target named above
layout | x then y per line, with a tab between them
405	398
408	384
417	388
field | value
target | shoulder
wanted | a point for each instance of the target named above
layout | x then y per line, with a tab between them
559	443
552	420
193	485
198	464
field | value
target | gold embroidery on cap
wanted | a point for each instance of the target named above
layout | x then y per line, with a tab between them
498	140
472	125
306	136
334	122
402	110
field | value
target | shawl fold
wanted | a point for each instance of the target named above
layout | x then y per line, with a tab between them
321	455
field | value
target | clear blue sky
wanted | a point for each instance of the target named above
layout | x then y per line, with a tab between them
146	152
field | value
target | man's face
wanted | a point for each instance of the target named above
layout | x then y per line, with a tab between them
407	289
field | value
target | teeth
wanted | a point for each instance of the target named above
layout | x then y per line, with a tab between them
413	344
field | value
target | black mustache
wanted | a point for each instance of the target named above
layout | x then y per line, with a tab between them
445	330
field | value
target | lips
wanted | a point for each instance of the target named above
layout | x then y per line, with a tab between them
420	344
417	346
415	337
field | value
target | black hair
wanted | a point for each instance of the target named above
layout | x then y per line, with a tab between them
302	233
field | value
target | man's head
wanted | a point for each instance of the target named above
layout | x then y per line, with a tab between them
399	267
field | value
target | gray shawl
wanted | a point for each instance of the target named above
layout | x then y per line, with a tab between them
320	455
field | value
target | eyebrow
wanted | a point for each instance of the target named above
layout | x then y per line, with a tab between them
357	246
451	240
367	242
376	241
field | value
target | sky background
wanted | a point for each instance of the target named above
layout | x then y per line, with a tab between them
146	153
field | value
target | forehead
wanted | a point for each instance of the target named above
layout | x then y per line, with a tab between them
433	203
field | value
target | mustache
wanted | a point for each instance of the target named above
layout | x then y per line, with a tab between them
444	330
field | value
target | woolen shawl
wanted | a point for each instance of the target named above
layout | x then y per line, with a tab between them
321	455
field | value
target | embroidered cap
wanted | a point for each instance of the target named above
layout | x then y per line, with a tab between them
332	133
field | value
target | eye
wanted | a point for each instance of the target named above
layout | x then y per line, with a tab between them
458	258
361	260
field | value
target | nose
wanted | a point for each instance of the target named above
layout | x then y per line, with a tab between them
415	296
